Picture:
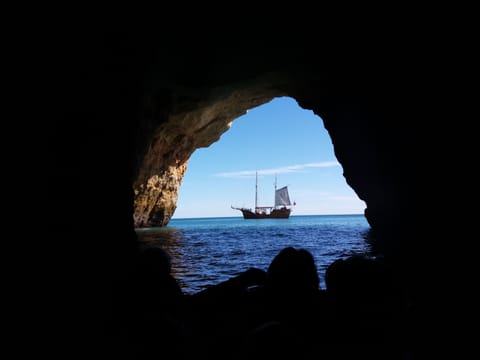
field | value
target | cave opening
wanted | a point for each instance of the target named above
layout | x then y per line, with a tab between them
275	139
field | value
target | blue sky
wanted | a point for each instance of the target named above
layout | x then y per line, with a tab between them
275	138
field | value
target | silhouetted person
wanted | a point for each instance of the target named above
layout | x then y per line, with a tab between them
159	306
290	306
218	315
368	305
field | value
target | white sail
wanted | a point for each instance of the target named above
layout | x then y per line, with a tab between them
281	197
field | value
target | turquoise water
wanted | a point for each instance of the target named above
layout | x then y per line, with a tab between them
206	251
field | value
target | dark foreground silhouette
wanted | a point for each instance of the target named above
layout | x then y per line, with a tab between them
278	313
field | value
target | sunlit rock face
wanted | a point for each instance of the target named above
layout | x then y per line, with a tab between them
155	201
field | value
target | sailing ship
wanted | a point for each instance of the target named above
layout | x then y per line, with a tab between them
280	210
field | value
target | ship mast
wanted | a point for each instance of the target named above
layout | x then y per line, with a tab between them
275	193
256	189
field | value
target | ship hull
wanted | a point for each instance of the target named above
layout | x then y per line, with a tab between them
282	213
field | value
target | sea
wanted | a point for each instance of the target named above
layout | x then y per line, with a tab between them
207	251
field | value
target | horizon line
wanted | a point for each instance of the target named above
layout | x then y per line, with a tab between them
226	216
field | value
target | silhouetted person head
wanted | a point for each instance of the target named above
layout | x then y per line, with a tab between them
293	270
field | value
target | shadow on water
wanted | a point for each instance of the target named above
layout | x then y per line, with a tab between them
172	241
160	236
373	244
